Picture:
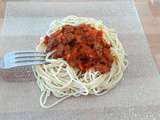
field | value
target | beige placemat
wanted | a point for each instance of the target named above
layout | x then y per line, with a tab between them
136	97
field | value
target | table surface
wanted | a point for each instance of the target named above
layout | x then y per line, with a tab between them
137	95
149	13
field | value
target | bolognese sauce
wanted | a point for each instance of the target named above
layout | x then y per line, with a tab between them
82	46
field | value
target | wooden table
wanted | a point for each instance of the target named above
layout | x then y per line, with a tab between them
137	96
149	12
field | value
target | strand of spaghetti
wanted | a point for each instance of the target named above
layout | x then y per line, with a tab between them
44	100
81	84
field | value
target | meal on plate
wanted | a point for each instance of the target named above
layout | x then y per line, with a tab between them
84	57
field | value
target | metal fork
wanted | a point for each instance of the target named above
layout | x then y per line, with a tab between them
21	58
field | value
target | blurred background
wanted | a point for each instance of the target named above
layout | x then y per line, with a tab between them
149	13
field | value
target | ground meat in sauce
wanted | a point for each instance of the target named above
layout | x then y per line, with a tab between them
82	46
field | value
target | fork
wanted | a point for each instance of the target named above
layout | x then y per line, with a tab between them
21	58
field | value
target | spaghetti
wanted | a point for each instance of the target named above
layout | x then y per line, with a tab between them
59	78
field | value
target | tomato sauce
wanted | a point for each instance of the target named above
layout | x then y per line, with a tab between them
82	46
